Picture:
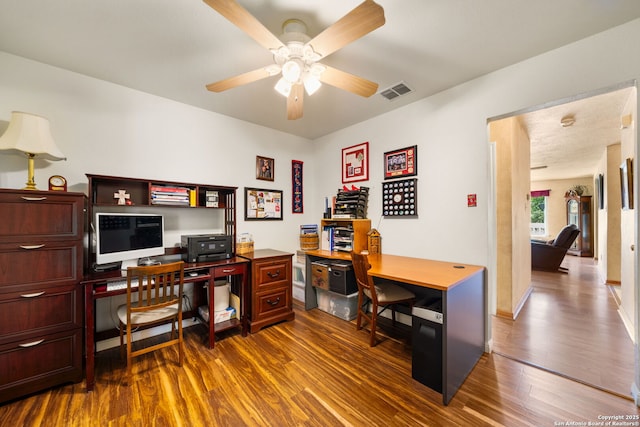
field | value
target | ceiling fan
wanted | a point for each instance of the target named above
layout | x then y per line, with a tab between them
296	55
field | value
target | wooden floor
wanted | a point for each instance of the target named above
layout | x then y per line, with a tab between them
314	371
570	325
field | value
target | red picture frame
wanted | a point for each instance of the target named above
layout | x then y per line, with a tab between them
401	163
355	163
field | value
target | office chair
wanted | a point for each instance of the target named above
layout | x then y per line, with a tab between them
382	294
159	298
548	256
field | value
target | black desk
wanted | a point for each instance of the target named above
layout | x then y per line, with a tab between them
95	287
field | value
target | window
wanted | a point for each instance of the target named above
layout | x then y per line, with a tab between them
538	225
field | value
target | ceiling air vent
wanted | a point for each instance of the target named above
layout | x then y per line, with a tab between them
396	91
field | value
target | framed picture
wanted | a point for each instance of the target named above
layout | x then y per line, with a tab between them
355	163
262	204
297	201
626	184
600	190
265	168
401	163
400	198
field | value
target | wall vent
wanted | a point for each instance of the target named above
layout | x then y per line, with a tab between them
395	91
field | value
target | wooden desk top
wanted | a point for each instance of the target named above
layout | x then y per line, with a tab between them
439	275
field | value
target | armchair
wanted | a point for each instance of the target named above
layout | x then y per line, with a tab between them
548	256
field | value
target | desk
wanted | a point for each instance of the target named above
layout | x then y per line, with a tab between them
95	287
461	287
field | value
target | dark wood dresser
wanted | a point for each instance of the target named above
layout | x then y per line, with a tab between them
41	265
270	299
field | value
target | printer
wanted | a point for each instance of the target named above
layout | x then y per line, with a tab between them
206	247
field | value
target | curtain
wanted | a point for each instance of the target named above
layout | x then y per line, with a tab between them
540	193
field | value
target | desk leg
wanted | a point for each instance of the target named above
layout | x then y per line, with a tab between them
212	326
244	294
89	328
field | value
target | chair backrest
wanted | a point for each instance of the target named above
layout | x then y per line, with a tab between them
567	235
157	286
361	267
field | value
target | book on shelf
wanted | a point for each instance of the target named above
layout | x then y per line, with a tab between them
211	199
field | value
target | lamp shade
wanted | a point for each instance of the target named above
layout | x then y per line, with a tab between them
30	133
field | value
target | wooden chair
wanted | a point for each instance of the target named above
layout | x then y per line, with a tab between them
383	295
159	298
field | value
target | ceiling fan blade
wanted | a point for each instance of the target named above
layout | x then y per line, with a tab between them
349	82
360	21
295	101
244	20
239	80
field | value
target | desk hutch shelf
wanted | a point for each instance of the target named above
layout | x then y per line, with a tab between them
102	190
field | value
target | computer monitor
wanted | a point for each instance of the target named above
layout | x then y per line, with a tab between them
127	237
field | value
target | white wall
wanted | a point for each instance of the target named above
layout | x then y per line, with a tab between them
108	129
451	133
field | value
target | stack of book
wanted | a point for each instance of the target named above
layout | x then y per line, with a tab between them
176	196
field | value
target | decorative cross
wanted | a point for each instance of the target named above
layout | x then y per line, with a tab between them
122	197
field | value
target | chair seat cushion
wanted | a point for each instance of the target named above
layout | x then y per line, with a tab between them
390	292
147	316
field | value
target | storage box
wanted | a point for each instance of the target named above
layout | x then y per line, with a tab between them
219	316
320	274
244	247
342	306
342	280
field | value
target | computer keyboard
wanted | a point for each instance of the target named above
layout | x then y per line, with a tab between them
121	284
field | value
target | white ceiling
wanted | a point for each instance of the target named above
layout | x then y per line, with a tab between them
173	48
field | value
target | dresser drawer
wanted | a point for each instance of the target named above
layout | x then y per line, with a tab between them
39	311
272	304
53	263
272	274
39	363
41	215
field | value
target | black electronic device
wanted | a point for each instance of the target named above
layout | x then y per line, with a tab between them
206	247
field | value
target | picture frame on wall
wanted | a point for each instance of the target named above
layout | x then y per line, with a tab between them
262	204
401	163
265	168
626	184
355	163
600	190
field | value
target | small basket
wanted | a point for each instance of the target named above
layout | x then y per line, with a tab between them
244	247
309	242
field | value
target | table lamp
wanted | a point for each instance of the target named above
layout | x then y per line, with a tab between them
30	134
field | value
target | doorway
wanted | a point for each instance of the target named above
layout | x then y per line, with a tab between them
519	287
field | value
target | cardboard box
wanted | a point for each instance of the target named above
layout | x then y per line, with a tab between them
320	274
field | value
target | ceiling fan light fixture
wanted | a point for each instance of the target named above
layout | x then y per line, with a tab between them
292	70
311	84
283	87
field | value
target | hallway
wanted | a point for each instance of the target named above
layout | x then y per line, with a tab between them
570	325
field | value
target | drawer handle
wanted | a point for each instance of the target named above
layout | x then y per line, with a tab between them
29	247
273	275
33	199
276	302
37	294
231	270
30	344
